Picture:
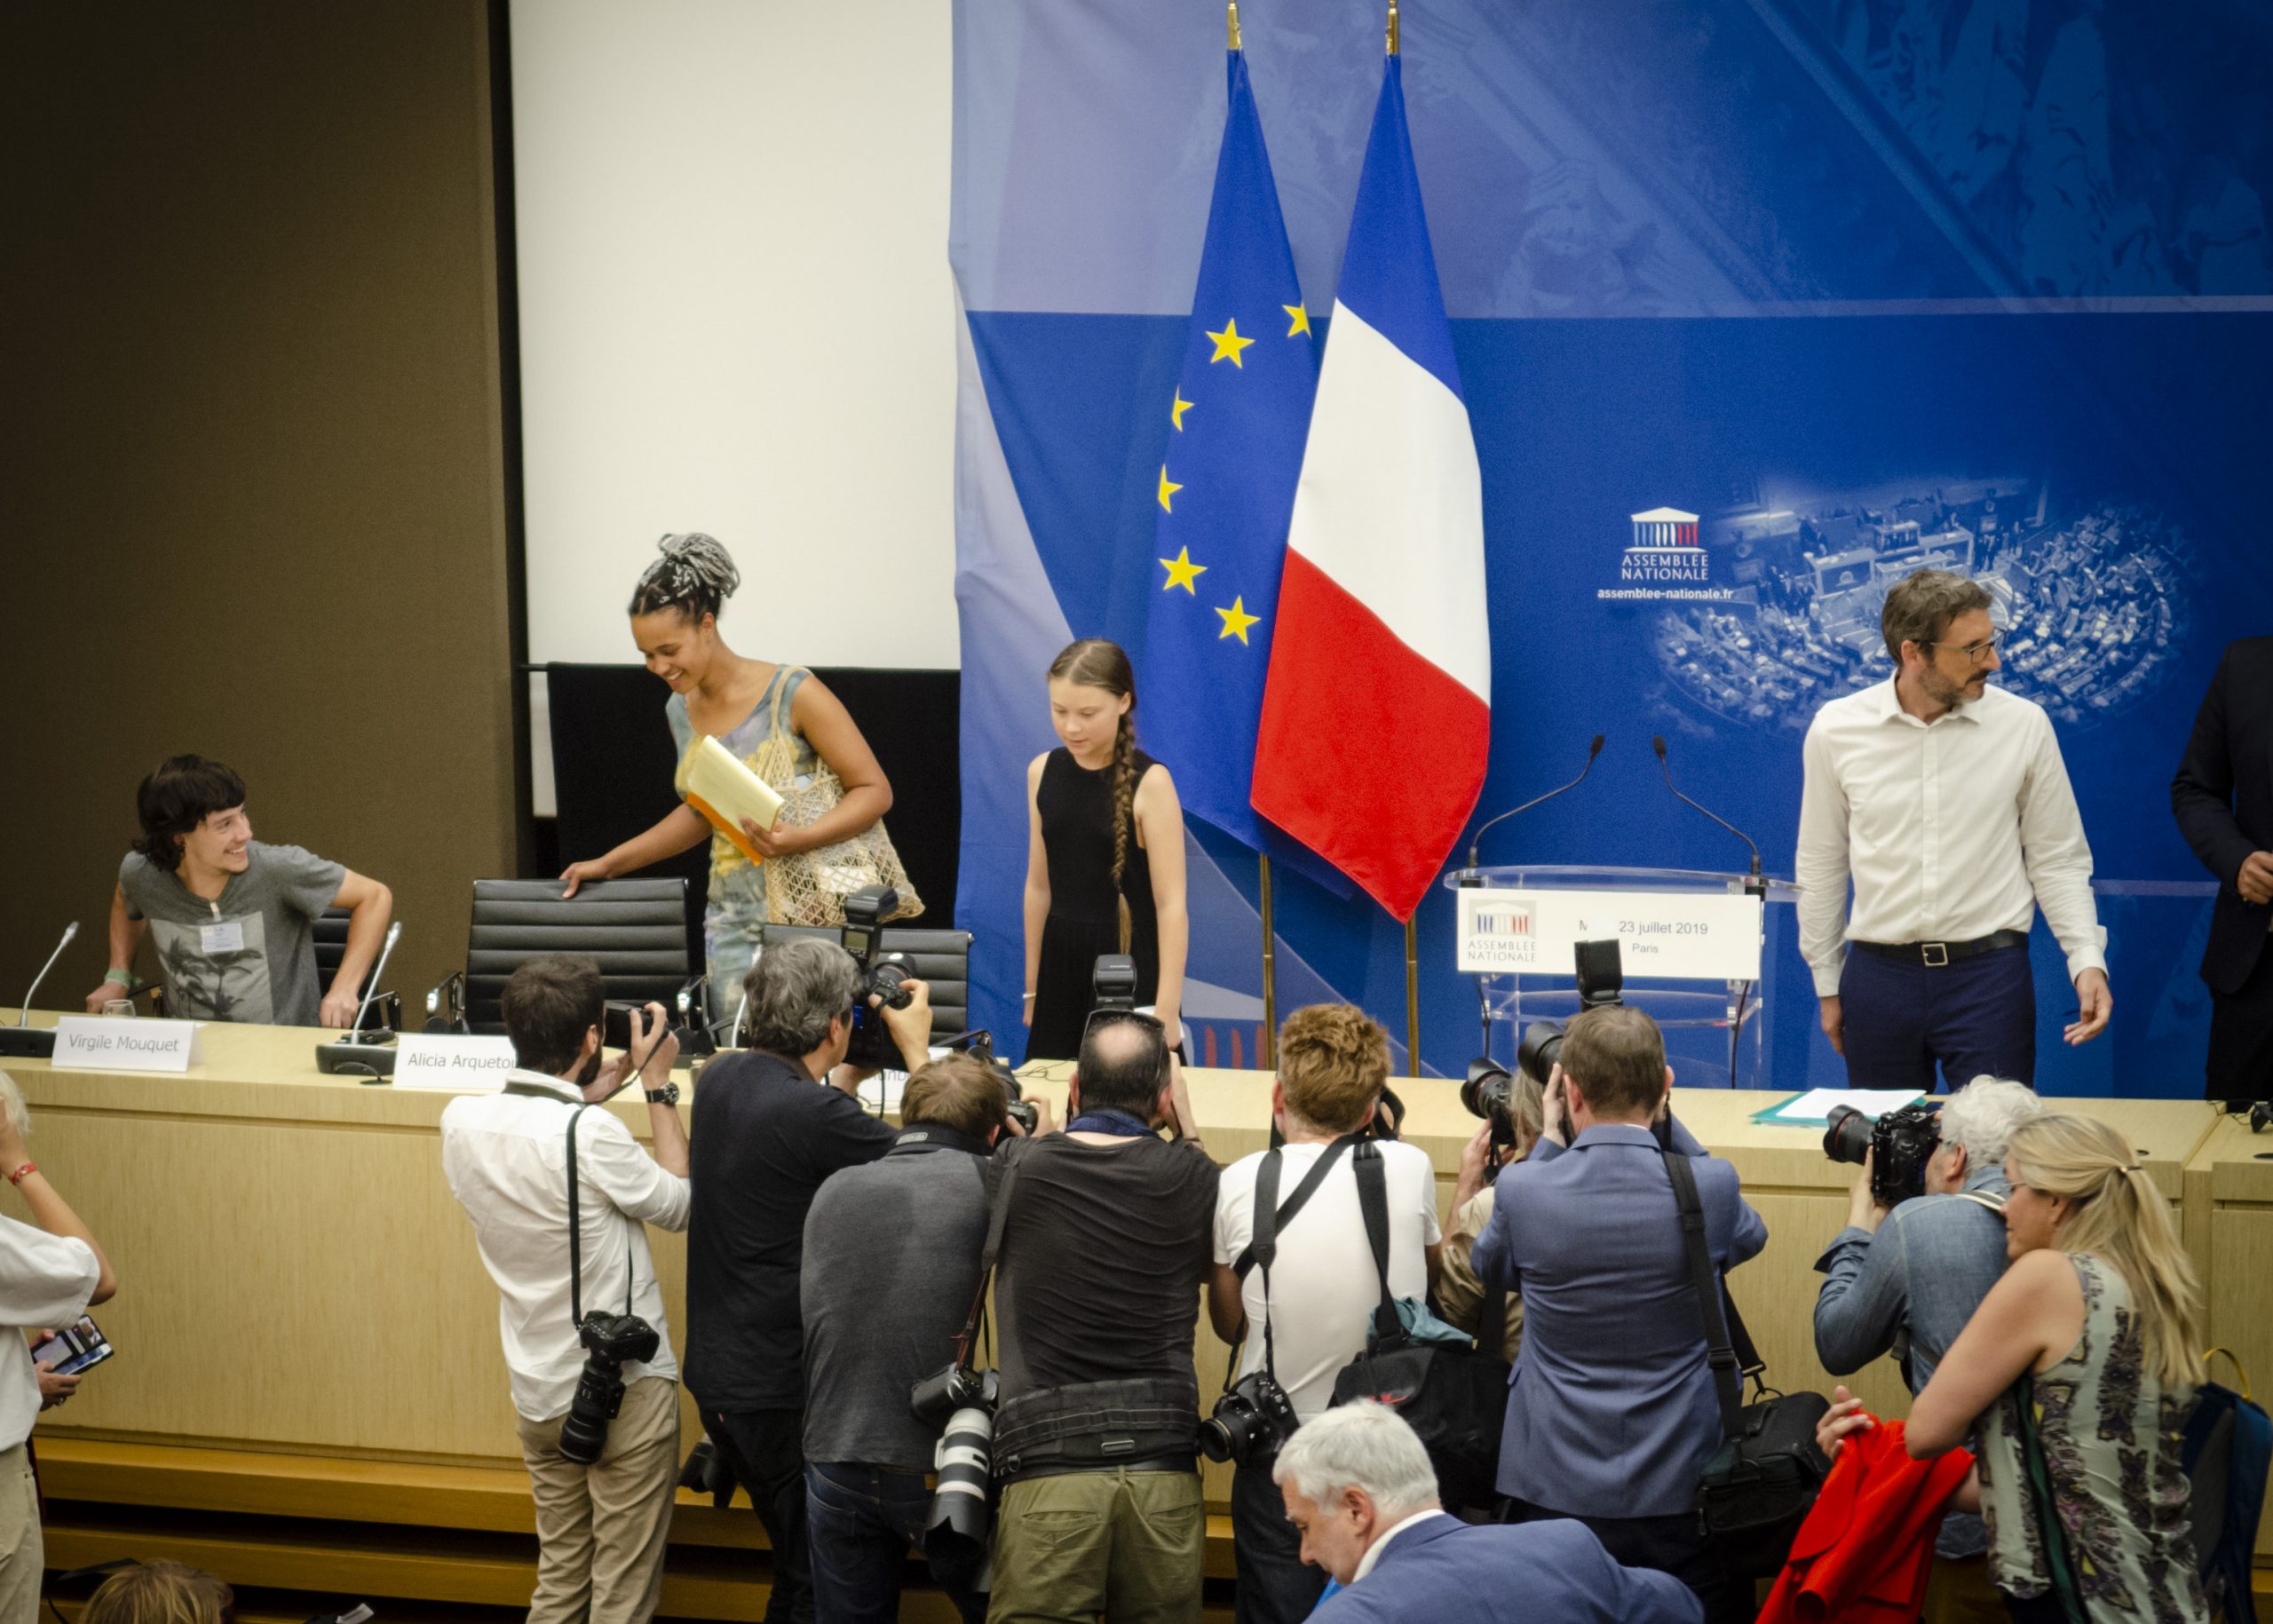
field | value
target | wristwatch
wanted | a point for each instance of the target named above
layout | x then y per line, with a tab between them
668	1095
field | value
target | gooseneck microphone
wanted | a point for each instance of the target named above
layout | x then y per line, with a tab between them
24	1014
1593	750
1657	743
394	935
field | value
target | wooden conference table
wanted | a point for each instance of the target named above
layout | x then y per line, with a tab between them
296	1279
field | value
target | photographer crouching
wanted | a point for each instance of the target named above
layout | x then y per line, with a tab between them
1105	1246
770	1124
1924	1242
891	1267
560	1195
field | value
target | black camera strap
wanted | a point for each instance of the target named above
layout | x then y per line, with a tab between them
1729	1347
1373	1203
1284	1214
576	1237
998	1215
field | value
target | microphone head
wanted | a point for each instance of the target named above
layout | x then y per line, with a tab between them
1594	749
394	932
1657	743
70	931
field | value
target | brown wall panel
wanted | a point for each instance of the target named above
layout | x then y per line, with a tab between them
250	465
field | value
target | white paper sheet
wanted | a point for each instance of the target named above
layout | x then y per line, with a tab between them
1813	1108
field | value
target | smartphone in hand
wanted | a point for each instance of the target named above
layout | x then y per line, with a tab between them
74	1349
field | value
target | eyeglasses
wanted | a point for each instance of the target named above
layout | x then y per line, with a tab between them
1978	652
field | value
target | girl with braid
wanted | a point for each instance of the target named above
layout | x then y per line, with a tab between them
1105	863
731	697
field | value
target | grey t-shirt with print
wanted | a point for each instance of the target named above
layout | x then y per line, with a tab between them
248	955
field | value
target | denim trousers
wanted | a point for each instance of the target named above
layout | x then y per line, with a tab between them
862	1523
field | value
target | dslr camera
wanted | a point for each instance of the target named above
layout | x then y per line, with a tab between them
1249	1422
1489	1092
1602	978
1898	1143
884	976
610	1341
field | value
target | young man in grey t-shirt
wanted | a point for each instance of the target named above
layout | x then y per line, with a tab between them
234	917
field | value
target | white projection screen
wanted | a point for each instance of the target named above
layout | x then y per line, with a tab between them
736	315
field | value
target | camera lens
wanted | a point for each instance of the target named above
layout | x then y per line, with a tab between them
1847	1137
966	1465
1541	1049
889	982
1488	1091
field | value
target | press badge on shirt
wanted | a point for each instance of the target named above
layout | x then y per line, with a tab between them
226	935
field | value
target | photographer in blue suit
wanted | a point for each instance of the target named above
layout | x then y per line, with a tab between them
1361	1491
1611	1412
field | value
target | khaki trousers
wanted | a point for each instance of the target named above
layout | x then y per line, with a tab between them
1131	1546
600	1529
23	1552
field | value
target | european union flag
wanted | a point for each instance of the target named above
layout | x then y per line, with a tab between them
1226	488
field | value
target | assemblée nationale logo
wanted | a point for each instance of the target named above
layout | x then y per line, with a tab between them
1665	551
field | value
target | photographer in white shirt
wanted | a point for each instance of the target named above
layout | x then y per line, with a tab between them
50	1270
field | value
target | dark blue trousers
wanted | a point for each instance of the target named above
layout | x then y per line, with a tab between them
1974	1017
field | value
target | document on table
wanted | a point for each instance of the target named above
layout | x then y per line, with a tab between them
1813	1108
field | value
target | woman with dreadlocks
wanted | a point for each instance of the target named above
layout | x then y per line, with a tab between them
733	698
1105	863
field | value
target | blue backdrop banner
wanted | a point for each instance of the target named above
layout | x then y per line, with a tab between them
1834	290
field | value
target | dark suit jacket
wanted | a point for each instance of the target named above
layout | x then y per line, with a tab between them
1445	1571
2222	798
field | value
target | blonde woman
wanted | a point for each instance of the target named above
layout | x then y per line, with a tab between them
2100	1311
161	1593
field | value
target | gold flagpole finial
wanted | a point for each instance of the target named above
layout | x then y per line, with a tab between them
1392	28
1231	23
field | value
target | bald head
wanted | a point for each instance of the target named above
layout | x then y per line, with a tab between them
1124	1066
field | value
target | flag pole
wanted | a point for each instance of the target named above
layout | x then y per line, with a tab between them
1266	1052
1392	51
1231	30
1412	972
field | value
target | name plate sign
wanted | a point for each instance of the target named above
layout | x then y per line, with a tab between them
106	1043
457	1063
1671	935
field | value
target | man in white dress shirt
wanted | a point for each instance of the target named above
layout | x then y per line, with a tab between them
600	1528
1946	804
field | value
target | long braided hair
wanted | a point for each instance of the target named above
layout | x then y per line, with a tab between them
695	575
1093	662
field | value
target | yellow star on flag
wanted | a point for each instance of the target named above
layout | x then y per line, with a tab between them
1169	487
1176	412
1236	620
1298	318
1228	345
1182	572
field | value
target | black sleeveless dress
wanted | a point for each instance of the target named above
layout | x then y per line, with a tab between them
1076	807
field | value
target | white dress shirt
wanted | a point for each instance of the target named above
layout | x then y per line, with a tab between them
45	1283
1950	830
1373	1551
506	1158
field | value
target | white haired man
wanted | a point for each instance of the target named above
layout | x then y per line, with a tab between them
1906	1280
1359	1489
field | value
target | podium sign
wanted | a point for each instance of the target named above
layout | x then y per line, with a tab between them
1669	935
106	1044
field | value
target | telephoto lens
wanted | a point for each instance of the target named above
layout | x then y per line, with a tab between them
961	1505
611	1341
1541	1049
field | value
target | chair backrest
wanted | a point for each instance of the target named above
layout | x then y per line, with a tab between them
636	929
941	959
330	933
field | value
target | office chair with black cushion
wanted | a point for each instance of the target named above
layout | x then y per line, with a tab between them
636	928
941	959
330	932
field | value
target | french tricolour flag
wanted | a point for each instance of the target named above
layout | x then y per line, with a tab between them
1376	714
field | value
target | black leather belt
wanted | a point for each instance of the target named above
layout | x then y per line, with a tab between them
1934	955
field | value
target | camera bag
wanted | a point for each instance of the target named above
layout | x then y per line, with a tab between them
1761	1482
1454	1397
